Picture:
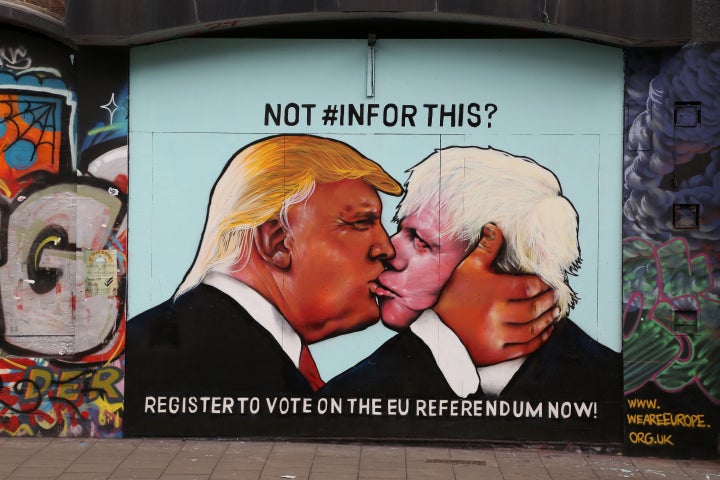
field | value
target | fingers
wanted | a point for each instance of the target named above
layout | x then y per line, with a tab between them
531	309
524	333
517	350
520	287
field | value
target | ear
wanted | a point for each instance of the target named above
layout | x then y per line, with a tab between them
491	241
270	242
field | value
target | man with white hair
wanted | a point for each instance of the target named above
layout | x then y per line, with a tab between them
463	199
291	252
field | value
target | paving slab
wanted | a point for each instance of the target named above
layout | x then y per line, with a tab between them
243	459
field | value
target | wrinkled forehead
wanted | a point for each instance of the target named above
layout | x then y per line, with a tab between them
430	218
435	218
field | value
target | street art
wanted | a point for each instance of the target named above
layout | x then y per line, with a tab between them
250	311
61	337
514	211
670	281
671	294
294	253
41	397
14	58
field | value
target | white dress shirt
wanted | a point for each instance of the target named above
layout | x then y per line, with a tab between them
455	363
261	310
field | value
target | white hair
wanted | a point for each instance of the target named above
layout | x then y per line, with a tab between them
474	186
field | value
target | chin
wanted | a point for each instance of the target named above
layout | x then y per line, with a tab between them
396	317
361	322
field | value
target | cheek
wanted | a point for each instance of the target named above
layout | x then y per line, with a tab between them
428	275
445	271
427	283
446	266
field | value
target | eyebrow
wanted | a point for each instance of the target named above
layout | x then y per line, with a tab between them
364	215
361	211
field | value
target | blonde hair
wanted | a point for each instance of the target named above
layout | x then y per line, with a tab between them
261	182
474	186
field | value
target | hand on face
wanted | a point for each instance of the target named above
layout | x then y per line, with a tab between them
497	316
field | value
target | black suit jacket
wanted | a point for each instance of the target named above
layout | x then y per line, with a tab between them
204	344
571	366
570	370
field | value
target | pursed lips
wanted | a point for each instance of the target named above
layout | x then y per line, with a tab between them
384	291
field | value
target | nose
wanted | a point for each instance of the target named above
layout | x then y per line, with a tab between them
381	248
399	260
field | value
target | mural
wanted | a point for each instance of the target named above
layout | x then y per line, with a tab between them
460	315
671	253
294	252
63	241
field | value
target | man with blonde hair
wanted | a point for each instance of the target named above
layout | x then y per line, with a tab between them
469	198
290	255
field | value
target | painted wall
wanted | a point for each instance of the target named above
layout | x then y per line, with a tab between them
671	259
63	204
195	103
63	190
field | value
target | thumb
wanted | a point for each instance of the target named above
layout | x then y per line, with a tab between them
488	248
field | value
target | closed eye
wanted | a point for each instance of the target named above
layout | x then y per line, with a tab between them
362	224
417	240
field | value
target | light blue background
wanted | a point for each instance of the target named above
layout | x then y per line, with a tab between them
194	102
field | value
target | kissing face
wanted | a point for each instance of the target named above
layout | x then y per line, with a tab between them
338	246
424	261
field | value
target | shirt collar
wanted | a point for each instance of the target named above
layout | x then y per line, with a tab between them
261	310
496	377
450	354
455	363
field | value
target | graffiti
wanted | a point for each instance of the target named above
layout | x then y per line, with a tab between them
666	165
657	284
14	58
42	280
33	133
104	153
42	398
55	214
671	297
42	247
665	276
111	107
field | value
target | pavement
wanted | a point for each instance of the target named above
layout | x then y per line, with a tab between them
186	459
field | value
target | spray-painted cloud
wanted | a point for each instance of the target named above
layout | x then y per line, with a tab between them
665	164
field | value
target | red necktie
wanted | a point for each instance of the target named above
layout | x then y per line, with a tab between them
309	369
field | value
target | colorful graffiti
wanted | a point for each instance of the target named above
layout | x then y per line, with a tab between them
671	262
63	250
41	397
664	284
